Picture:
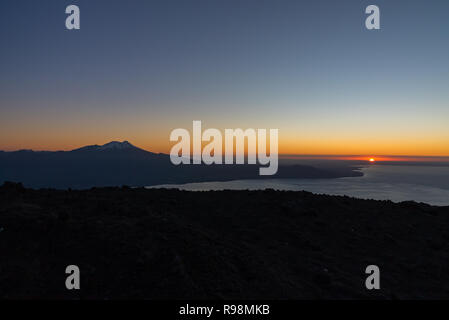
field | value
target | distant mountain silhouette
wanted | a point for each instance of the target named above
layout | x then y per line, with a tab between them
121	163
111	146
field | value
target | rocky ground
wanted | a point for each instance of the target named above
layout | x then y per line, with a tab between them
169	244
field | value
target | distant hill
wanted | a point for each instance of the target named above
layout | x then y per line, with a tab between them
121	163
111	146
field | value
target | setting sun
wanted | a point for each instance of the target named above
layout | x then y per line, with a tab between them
371	160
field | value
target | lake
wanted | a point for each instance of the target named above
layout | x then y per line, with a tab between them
429	184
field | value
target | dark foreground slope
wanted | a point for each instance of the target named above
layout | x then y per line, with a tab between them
158	244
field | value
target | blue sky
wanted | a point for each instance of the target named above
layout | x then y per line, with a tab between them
137	69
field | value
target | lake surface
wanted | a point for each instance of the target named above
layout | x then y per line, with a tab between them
429	184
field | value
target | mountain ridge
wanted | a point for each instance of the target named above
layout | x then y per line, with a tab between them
121	163
113	145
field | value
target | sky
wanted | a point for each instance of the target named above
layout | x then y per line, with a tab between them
138	69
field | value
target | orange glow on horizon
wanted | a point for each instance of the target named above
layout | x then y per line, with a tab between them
291	146
161	146
369	159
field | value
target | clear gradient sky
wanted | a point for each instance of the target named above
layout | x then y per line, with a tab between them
139	68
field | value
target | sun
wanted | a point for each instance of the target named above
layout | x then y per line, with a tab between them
372	160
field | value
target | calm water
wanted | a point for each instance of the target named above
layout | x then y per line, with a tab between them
427	184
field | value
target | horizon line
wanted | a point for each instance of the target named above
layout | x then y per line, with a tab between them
298	156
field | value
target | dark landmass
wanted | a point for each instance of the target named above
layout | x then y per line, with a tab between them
121	163
170	244
415	163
